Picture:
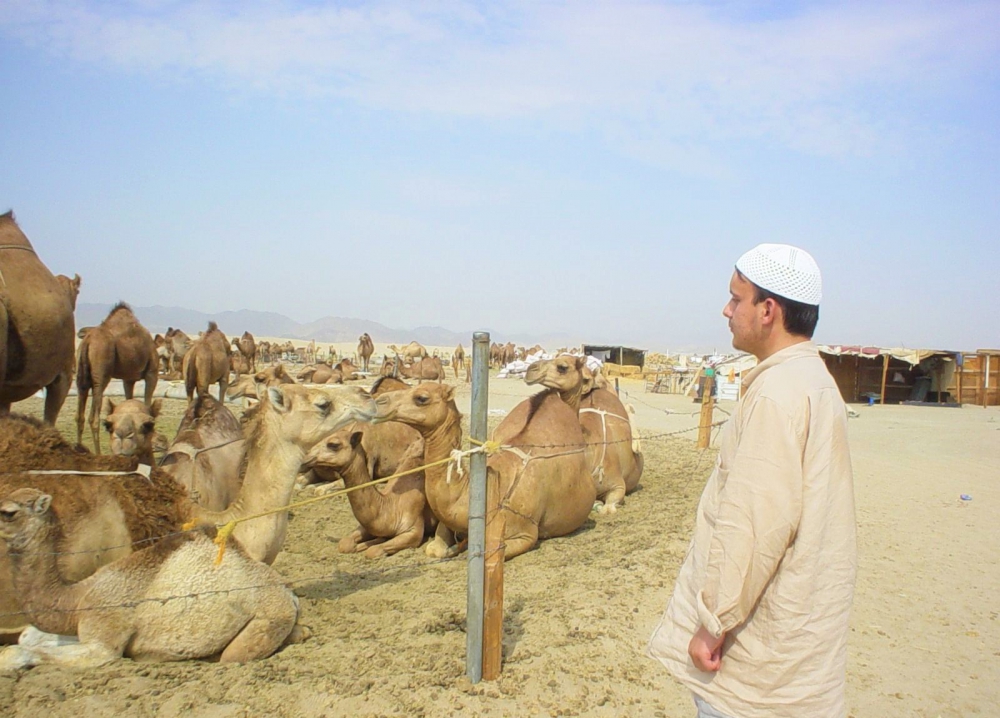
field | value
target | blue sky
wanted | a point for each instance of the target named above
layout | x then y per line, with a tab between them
594	168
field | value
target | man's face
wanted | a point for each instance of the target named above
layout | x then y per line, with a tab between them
745	317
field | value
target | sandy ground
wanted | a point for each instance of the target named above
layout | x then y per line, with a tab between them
389	635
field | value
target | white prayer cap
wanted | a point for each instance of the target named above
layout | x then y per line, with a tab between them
784	270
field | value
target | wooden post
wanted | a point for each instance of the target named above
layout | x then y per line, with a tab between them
493	584
707	409
477	510
885	373
959	369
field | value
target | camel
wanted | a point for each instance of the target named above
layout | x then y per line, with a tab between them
388	367
386	445
412	351
365	349
103	517
614	466
509	353
131	427
496	355
458	359
250	386
206	454
207	362
391	516
264	352
120	347
544	484
178	343
243	610
321	374
36	324
248	349
428	369
238	363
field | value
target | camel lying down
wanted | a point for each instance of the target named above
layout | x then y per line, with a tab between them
243	610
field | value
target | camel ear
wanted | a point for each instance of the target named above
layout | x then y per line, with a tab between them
107	406
279	370
449	392
155	408
108	426
356	439
41	504
277	398
581	362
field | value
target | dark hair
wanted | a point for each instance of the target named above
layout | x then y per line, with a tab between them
799	319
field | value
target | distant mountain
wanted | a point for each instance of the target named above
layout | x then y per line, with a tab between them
158	319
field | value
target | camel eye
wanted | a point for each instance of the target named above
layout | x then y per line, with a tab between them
324	405
147	427
6	515
422	400
562	369
108	427
335	446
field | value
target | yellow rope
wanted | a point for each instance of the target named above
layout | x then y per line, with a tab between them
226	530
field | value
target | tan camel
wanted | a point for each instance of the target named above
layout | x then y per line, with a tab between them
131	427
614	466
248	349
206	454
458	359
178	343
120	348
391	516
413	351
388	367
544	483
321	374
103	517
243	610
207	362
250	386
238	363
348	369
386	445
427	369
366	347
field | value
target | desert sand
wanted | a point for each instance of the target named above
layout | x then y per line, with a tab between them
389	635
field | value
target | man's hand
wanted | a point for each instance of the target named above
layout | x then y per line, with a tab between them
706	650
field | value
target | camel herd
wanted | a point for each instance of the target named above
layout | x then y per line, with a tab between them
91	545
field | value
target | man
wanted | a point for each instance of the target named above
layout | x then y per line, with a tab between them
757	625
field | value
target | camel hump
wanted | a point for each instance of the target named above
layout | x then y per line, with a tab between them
213	327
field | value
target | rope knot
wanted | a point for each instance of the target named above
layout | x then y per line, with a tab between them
222	537
456	461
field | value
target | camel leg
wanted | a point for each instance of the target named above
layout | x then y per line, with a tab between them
442	542
149	385
258	639
520	536
129	387
223	386
73	655
81	411
349	544
55	396
95	414
410	538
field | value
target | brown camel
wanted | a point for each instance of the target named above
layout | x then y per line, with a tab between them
206	454
427	369
238	363
244	624
36	324
543	481
104	517
413	351
131	427
207	362
251	386
388	367
391	516
120	348
366	347
178	343
458	359
614	466
248	348
496	355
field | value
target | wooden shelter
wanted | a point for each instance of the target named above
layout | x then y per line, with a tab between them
622	356
977	381
894	376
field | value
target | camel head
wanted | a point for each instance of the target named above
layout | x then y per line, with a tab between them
564	373
72	287
305	414
388	366
386	384
272	376
593	381
22	513
131	426
334	452
425	406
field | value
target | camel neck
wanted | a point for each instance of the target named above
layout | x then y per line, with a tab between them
44	596
448	500
573	397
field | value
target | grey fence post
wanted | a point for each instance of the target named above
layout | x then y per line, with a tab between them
477	508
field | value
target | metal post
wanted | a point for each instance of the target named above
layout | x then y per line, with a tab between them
477	508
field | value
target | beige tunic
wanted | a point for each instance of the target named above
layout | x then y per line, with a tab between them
773	556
